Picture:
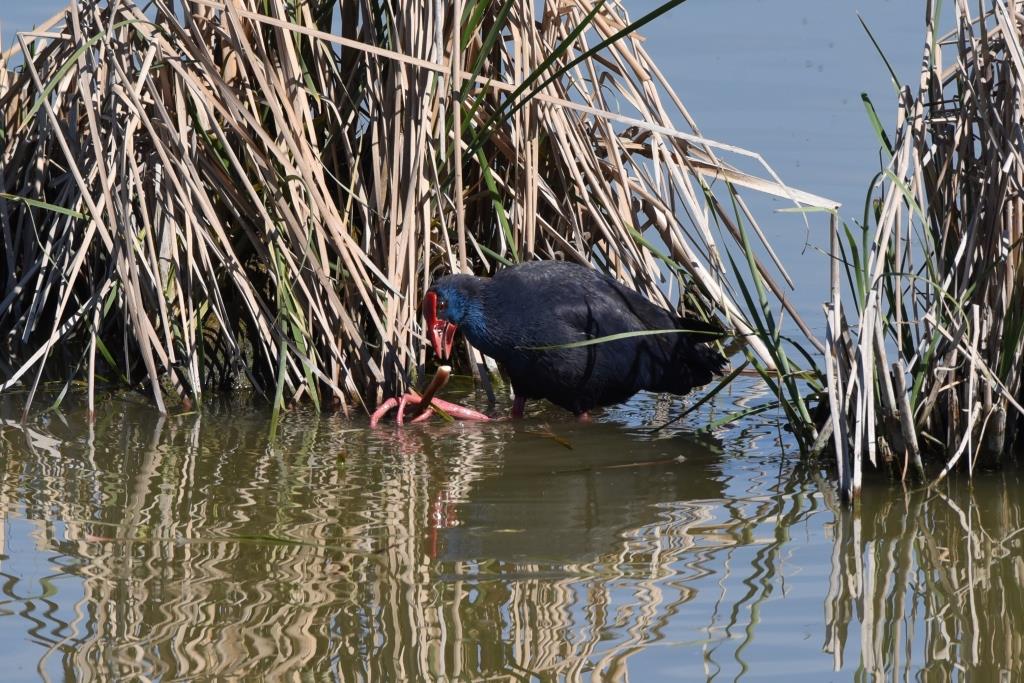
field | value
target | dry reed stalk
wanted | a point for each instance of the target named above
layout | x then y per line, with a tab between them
937	280
214	192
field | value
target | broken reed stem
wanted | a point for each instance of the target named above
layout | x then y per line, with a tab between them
440	379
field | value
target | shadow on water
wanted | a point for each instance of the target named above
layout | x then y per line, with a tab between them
188	547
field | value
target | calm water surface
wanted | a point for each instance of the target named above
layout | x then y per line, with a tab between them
191	547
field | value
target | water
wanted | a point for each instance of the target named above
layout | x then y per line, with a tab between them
190	547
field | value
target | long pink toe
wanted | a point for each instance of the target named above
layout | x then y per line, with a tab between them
382	410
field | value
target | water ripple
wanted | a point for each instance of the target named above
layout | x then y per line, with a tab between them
191	548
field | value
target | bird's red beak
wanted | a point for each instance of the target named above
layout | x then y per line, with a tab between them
442	332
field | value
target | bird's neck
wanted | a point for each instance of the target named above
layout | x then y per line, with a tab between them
476	323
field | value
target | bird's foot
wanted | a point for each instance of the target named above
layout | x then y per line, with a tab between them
583	417
421	405
421	411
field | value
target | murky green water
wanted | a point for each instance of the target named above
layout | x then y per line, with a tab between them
190	548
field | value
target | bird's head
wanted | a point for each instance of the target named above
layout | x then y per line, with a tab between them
447	304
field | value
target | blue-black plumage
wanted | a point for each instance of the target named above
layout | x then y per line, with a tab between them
511	316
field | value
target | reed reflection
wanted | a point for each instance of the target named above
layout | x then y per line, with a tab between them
929	584
188	547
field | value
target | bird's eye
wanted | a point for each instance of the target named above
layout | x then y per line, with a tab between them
442	305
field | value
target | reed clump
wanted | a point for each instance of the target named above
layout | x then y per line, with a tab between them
931	371
198	193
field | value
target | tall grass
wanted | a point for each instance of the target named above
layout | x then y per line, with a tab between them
931	369
199	194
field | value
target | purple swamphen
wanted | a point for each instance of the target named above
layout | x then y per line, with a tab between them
525	315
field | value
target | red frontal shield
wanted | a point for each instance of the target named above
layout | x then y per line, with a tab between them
442	332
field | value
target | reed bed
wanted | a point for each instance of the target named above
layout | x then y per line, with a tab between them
199	194
931	371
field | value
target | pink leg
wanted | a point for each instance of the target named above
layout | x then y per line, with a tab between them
382	410
422	417
518	407
402	403
421	413
460	412
583	417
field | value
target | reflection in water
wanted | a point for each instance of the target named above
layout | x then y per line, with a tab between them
936	580
187	547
